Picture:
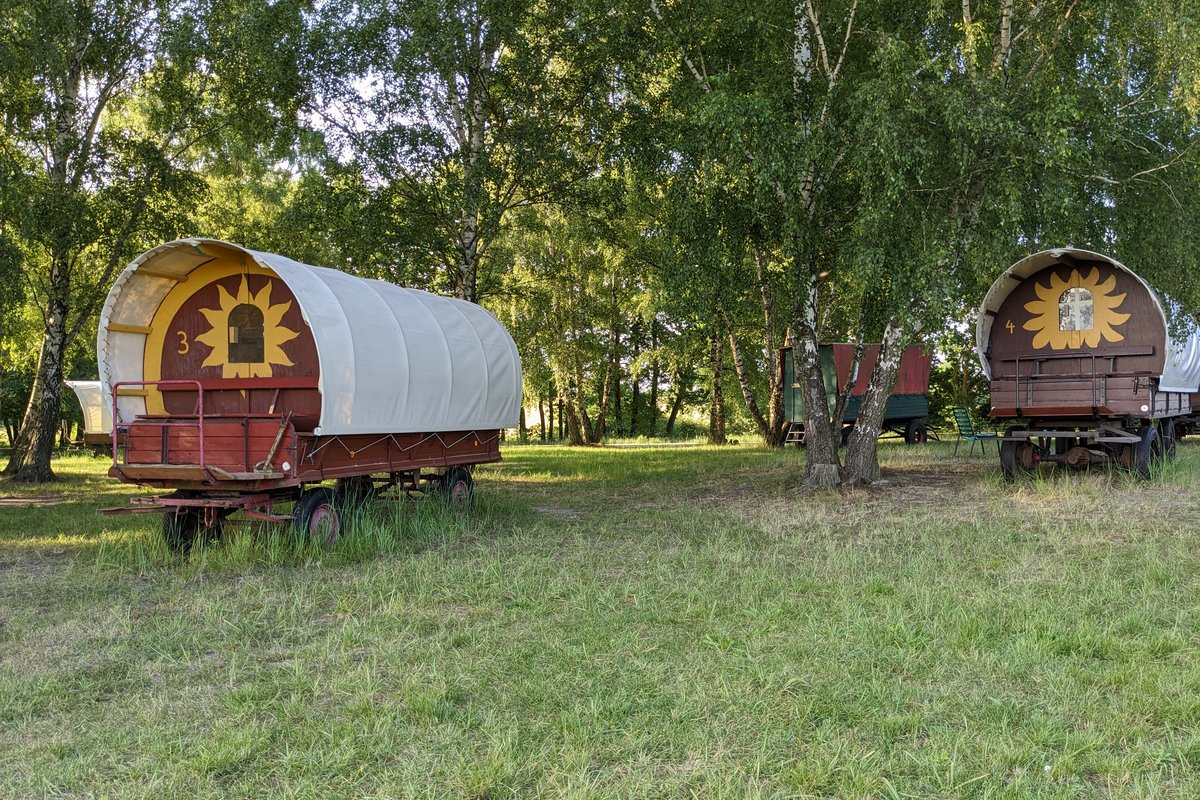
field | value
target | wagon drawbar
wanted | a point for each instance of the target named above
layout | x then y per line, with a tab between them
238	379
1084	365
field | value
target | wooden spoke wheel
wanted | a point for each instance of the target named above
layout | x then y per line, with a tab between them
457	486
916	432
317	517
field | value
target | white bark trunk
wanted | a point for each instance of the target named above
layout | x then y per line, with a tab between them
862	458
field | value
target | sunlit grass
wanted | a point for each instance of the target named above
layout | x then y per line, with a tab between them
640	622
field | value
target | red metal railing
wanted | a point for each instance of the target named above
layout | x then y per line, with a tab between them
198	424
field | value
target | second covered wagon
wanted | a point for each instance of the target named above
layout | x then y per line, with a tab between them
1087	363
239	377
97	414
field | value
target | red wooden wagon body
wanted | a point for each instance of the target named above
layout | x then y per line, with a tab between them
237	378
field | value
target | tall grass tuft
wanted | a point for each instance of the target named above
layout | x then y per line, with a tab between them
386	525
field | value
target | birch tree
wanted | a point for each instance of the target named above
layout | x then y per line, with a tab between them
469	109
899	152
77	187
106	110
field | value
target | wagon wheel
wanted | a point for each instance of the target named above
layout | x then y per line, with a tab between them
1147	453
1015	457
317	517
916	432
1170	439
457	485
179	528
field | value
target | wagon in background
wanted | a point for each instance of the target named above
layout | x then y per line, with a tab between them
907	406
1084	365
240	380
97	414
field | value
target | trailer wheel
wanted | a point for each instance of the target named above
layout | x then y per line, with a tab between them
317	517
179	528
916	432
1147	453
1016	457
457	485
1008	460
1170	439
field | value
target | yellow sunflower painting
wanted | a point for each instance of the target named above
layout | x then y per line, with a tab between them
1075	312
246	336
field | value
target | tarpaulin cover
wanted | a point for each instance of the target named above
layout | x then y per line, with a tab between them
97	408
392	360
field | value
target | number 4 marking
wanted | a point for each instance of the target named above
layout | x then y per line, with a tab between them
1011	328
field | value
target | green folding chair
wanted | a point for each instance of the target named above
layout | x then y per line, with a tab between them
968	432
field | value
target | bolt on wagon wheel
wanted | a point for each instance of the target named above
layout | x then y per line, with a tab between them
916	432
317	517
1147	453
457	486
179	528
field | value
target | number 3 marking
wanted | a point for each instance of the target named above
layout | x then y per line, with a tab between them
1011	328
184	346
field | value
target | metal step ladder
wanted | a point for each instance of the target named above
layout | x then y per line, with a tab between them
795	434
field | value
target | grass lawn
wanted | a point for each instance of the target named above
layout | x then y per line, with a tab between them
637	623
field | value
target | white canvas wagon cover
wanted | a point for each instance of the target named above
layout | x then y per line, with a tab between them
97	408
391	359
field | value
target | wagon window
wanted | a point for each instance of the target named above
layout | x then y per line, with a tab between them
246	335
1075	310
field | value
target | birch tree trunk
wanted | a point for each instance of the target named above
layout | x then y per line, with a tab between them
568	412
739	368
862	458
473	142
776	421
578	399
30	458
716	408
822	469
600	429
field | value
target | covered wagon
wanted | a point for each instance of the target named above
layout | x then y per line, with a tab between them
97	414
907	406
1084	364
239	379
